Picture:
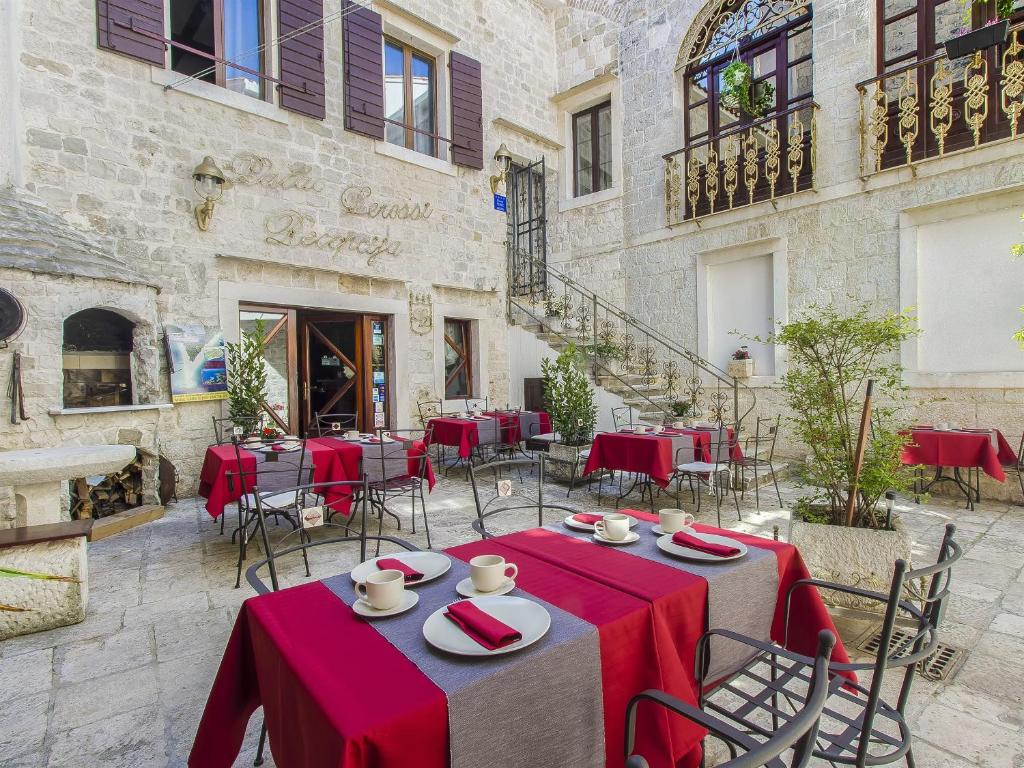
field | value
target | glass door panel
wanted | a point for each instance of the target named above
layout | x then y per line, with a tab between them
334	382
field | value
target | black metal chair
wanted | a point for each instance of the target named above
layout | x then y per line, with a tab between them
224	429
477	403
280	470
720	465
329	424
429	409
858	728
797	734
622	417
1019	466
360	490
397	470
490	475
759	455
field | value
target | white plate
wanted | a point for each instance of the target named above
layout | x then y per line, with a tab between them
466	588
479	418
430	564
531	619
409	599
630	538
277	450
368	441
666	545
576	525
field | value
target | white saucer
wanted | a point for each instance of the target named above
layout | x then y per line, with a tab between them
430	564
659	531
666	545
531	619
576	525
466	588
631	537
409	599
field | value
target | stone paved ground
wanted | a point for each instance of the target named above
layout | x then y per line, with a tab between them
128	685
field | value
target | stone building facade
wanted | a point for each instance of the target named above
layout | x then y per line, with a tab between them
105	146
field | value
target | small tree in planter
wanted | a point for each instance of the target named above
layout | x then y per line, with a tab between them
569	400
247	376
831	357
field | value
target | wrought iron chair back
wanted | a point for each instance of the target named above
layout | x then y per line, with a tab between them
429	409
484	475
622	417
327	424
277	463
477	403
722	445
766	434
224	428
798	733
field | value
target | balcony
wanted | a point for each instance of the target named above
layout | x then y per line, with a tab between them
763	160
936	107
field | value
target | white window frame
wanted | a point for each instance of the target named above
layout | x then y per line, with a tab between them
571	103
480	350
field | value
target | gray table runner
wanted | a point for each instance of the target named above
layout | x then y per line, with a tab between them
539	706
529	424
741	593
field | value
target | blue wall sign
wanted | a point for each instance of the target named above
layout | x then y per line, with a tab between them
500	203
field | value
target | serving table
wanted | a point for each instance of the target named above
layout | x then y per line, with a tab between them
622	620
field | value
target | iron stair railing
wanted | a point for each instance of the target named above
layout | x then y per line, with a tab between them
618	346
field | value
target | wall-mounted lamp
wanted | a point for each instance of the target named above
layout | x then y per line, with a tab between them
208	180
504	160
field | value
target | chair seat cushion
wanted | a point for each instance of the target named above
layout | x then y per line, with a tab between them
278	501
701	466
585	454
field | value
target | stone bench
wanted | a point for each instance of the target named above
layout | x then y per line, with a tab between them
57	549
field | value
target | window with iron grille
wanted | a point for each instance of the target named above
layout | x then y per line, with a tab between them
458	359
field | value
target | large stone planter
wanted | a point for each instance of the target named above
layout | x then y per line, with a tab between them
859	557
562	458
741	369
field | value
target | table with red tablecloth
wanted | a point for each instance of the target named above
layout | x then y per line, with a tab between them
396	707
648	454
987	450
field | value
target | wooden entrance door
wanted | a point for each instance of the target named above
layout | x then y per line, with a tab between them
333	367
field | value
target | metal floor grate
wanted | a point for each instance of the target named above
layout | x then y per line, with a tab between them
941	664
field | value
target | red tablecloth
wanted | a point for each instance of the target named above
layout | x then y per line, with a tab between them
460	433
956	448
385	711
221	459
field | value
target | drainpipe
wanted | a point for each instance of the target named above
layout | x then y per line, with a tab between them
10	52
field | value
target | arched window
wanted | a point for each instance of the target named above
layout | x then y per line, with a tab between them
773	37
97	359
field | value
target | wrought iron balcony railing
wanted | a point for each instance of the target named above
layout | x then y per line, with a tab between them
935	107
763	160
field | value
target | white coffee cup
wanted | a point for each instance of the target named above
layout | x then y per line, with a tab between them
614	527
659	429
382	590
678	425
673	520
942	426
352	434
641	430
490	572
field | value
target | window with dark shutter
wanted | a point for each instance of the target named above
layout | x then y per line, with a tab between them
302	57
362	56
132	27
467	112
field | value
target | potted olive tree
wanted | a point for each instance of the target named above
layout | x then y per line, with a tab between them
569	399
247	377
832	356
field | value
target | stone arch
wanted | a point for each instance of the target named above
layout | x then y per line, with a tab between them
716	14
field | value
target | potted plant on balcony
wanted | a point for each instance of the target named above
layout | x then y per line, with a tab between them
968	41
569	399
554	310
741	366
831	358
741	92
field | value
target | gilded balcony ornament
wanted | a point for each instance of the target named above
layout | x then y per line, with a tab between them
711	176
814	148
672	189
732	180
879	123
771	158
1012	83
909	108
976	95
670	375
940	105
860	122
750	164
795	153
693	183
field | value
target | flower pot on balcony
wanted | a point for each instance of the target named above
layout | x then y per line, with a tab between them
978	39
741	369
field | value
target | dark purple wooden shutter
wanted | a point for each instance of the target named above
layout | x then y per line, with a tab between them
467	112
302	87
363	57
132	27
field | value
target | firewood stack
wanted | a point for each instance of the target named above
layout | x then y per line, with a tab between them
99	496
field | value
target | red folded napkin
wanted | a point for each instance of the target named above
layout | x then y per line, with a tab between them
373	440
481	626
587	519
388	563
683	539
277	447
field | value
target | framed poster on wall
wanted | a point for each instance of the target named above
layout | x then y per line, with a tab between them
196	361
